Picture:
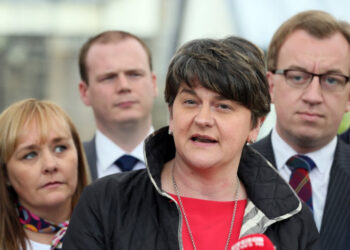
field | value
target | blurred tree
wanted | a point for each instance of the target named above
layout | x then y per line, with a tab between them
345	123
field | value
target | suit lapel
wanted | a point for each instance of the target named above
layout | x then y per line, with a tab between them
264	146
336	216
90	150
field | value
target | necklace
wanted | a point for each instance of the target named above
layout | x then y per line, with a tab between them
186	220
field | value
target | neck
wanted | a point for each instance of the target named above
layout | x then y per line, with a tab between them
44	238
54	214
304	144
127	135
212	184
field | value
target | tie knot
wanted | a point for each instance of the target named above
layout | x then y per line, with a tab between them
300	161
126	162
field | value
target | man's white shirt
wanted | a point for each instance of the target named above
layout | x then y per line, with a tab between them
107	152
319	176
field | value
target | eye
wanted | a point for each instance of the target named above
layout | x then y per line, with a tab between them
297	77
60	148
30	155
224	106
108	78
134	74
189	102
332	79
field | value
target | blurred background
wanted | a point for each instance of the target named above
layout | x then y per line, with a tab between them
40	41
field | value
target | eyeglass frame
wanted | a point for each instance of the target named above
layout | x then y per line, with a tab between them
285	71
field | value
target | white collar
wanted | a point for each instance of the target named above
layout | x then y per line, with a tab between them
107	151
323	157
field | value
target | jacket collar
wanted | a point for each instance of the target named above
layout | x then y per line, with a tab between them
265	188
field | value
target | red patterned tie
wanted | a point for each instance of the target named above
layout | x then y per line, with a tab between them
301	165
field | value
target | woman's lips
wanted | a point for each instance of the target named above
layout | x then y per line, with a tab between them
52	184
203	139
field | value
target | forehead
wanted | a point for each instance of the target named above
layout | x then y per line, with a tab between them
42	131
316	55
124	51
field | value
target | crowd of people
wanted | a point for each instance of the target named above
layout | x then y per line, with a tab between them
203	181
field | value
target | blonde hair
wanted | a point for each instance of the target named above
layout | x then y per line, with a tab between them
44	114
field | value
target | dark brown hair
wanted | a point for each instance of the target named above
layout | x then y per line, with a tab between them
232	67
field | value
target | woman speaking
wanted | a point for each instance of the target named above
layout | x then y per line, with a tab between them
204	188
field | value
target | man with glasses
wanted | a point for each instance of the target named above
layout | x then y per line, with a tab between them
346	136
308	72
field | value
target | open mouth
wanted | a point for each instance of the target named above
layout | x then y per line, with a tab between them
203	139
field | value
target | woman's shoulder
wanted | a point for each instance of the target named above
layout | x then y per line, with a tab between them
120	178
111	185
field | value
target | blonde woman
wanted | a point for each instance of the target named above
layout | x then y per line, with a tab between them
43	172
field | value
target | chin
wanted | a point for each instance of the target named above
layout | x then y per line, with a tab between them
58	200
202	163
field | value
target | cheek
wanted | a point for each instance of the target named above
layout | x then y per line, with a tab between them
237	130
101	92
71	171
18	175
24	182
178	123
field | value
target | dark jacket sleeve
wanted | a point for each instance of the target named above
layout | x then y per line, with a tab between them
85	230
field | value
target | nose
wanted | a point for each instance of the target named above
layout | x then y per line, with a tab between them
313	92
49	162
123	83
204	117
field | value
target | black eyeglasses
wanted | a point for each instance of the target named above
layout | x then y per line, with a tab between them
330	82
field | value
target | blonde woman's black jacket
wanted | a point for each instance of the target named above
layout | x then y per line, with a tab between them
130	211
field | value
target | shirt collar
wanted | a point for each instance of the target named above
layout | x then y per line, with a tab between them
323	157
107	151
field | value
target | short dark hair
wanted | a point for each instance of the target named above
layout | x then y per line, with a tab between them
318	24
112	36
233	67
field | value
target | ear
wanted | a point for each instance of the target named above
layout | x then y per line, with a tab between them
348	103
154	83
270	79
170	109
84	93
253	134
8	183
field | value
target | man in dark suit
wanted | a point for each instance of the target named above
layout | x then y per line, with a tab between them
308	72
346	136
118	83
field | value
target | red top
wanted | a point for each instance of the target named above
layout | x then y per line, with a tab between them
210	222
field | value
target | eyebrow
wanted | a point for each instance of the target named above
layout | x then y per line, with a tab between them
104	75
329	71
114	73
186	90
62	138
35	145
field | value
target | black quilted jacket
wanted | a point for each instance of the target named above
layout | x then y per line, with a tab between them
130	211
